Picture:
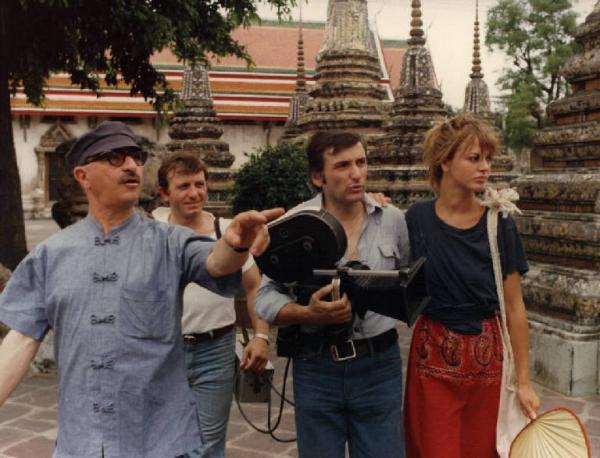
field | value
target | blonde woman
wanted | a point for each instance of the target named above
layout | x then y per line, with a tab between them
455	363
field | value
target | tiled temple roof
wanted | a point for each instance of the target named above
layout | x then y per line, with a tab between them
259	93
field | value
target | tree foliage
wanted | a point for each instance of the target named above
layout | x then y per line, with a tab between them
537	36
275	176
95	41
113	40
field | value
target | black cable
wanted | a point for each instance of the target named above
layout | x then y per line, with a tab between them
281	402
282	395
270	429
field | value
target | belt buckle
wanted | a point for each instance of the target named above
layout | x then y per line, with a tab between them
190	339
335	353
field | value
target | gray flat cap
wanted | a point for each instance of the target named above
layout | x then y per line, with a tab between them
107	136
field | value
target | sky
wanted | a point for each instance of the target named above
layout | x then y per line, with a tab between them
448	26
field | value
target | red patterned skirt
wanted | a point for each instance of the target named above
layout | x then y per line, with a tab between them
452	391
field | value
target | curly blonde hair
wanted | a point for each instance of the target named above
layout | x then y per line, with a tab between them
444	139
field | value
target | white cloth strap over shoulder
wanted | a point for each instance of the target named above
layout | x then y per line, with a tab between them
499	201
503	200
492	228
510	417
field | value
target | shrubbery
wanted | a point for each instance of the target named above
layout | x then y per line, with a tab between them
274	176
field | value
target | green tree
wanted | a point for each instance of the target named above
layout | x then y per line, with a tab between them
274	176
100	39
537	36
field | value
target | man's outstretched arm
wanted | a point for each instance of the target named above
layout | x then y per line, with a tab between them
246	234
16	353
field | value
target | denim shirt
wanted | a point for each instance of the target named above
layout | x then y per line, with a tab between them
114	303
383	244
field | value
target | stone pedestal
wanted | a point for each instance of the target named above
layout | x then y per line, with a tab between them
564	358
28	205
41	209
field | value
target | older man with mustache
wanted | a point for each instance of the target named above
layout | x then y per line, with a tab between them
110	287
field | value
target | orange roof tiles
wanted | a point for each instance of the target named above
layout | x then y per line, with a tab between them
259	92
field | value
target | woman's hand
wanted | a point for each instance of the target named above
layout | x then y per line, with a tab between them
529	400
380	198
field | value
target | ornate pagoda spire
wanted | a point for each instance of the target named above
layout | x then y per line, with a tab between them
417	36
347	93
395	164
477	96
300	98
195	86
196	128
477	103
417	73
347	26
300	75
476	68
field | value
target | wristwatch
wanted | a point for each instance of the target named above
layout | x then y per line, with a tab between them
262	336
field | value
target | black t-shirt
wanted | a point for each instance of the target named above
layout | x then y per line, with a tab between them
458	271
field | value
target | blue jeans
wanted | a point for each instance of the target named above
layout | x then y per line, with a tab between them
211	371
357	401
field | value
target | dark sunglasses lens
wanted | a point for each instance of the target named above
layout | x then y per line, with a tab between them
117	158
140	157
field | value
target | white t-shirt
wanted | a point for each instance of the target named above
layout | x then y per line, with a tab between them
204	310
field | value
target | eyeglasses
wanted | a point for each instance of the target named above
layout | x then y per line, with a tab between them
117	158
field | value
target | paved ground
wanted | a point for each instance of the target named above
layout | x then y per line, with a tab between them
28	419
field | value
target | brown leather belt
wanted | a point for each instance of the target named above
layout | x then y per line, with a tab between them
193	339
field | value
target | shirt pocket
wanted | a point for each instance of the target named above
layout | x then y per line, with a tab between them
146	315
390	257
